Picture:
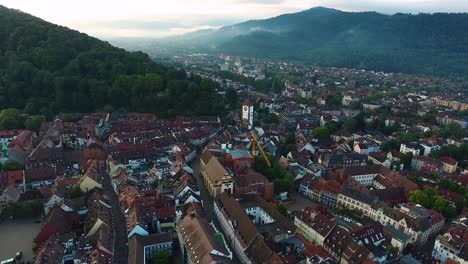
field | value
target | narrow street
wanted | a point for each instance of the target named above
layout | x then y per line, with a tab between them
205	195
119	222
208	201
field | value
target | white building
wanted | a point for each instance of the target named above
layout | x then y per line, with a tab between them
247	114
407	149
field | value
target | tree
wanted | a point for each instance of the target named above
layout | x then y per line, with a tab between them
8	119
51	69
406	160
452	129
420	197
11	165
334	100
33	123
350	125
430	198
282	209
391	144
231	98
75	192
321	132
161	257
270	118
333	126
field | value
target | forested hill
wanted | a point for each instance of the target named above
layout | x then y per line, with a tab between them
45	68
424	43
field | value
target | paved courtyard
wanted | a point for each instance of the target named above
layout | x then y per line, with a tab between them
301	202
18	235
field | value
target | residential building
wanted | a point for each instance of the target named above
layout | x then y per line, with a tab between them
36	177
59	193
428	147
244	239
341	246
313	225
141	249
273	226
398	238
217	180
356	199
21	147
91	179
253	183
200	242
409	149
426	165
415	220
365	146
370	106
345	160
449	164
452	245
57	222
10	194
379	177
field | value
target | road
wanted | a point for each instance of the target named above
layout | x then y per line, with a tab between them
205	195
119	222
208	201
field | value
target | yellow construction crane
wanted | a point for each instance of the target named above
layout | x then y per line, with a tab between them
255	143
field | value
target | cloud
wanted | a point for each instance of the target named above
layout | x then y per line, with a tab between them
163	17
268	2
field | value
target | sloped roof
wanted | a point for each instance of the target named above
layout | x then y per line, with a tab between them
137	243
206	156
200	240
234	212
214	170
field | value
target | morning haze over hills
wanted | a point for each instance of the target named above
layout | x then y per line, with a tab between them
318	137
423	43
39	59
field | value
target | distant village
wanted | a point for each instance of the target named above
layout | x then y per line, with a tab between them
339	166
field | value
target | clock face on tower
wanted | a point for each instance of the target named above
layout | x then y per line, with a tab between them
246	108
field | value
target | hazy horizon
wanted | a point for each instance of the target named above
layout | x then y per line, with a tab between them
139	18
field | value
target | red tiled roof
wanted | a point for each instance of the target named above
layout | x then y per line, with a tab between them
9	133
462	179
39	174
312	249
448	160
22	140
15	176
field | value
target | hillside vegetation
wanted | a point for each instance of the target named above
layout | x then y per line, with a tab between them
434	44
45	68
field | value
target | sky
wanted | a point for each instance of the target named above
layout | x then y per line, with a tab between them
159	18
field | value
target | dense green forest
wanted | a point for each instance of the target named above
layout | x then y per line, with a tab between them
45	68
435	44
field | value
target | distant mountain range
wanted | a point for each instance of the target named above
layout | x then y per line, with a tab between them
425	43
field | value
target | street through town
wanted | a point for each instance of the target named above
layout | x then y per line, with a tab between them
119	222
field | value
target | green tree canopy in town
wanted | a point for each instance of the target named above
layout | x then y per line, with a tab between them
270	118
282	180
430	198
33	123
9	119
161	257
11	165
232	98
321	132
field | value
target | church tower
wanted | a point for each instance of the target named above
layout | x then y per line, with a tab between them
247	114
